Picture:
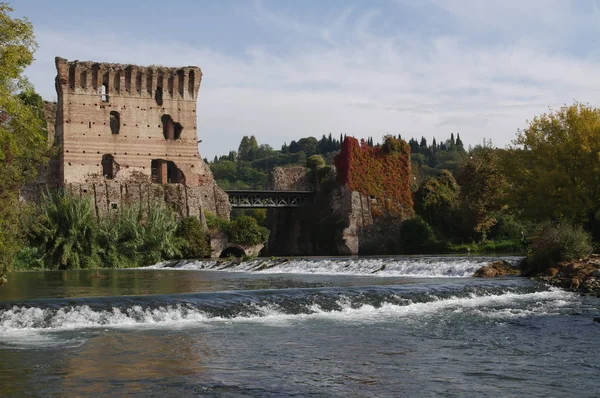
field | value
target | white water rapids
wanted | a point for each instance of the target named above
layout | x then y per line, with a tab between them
411	266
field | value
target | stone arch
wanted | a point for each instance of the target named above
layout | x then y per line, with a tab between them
233	250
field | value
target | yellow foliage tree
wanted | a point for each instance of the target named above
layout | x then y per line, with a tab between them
555	172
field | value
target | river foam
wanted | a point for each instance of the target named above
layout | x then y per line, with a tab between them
363	305
410	266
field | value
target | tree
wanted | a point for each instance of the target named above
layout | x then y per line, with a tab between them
452	145
556	173
437	201
459	144
315	162
224	170
194	241
244	148
23	138
253	144
483	188
264	151
244	230
294	147
323	146
308	145
414	146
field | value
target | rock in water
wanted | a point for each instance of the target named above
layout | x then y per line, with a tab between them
597	319
496	269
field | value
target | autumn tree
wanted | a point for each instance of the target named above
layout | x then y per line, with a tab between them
483	189
22	128
555	172
437	201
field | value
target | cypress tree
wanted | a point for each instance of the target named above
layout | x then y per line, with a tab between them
244	148
452	142
459	144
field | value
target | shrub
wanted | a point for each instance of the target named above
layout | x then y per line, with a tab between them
216	224
509	226
193	239
315	162
120	237
64	232
245	230
415	235
158	234
554	243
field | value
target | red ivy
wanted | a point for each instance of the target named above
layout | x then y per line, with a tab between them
382	173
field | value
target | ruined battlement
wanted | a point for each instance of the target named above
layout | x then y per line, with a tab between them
108	79
117	122
129	125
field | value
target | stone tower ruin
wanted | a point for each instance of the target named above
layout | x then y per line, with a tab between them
122	130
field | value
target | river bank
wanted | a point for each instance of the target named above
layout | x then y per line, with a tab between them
580	276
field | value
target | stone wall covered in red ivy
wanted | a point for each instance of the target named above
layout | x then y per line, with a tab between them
382	173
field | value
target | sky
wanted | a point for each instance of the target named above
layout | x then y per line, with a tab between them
283	70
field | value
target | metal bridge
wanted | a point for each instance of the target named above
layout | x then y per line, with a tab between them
264	197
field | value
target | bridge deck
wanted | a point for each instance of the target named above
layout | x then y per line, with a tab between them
269	198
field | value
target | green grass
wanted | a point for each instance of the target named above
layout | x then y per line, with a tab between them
500	246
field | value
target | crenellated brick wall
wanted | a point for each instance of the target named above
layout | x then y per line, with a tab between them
128	131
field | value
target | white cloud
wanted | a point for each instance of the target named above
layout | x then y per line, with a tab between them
346	79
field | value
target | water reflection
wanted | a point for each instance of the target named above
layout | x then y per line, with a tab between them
133	362
133	282
28	285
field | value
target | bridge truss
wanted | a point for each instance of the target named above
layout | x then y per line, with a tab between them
269	198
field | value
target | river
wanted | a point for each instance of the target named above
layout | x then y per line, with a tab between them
333	327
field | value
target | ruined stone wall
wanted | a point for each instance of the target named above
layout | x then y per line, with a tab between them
142	100
355	209
50	116
333	225
288	178
317	229
111	195
121	128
